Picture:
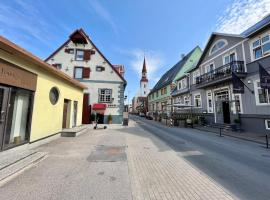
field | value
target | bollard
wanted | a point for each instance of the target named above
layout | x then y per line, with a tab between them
219	132
267	143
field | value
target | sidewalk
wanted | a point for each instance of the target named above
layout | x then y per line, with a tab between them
252	137
120	163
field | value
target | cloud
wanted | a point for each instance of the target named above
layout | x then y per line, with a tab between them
242	14
22	17
103	13
154	62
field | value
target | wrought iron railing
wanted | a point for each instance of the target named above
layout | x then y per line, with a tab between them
221	72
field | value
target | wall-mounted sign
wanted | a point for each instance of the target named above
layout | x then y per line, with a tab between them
13	75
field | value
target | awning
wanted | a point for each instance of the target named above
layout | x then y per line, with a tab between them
99	106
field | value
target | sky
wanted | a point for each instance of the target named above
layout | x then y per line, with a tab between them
126	30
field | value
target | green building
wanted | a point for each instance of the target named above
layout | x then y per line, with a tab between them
159	98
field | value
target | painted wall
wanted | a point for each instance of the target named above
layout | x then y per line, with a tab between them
47	118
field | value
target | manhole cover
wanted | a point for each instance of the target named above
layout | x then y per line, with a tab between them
108	154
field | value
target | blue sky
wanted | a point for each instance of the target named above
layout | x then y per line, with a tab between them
126	29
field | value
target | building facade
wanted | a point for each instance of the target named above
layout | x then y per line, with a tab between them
79	58
36	100
159	99
225	58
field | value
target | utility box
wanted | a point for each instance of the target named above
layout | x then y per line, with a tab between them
125	118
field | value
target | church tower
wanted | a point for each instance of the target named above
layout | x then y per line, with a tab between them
144	81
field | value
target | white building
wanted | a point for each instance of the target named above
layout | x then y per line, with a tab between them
139	102
79	58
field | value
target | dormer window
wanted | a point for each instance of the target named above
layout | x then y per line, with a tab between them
218	45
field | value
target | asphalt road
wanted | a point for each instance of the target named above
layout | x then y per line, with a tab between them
240	166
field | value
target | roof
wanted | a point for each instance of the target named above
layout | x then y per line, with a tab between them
144	66
169	76
16	50
209	42
81	31
256	27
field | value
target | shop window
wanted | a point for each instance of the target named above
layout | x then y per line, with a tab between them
105	95
262	95
19	117
54	95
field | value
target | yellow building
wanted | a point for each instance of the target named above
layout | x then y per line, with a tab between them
36	100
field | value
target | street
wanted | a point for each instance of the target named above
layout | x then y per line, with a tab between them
241	167
145	160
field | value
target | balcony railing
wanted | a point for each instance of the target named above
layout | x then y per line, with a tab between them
222	72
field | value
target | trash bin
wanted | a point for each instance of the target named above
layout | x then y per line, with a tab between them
125	118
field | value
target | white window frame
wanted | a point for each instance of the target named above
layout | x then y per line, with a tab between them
195	74
80	59
240	101
186	99
228	54
264	54
207	67
255	83
220	40
107	96
210	109
199	99
266	124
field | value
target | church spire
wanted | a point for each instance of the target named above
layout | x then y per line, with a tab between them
144	66
144	72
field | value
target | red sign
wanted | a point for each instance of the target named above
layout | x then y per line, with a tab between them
99	106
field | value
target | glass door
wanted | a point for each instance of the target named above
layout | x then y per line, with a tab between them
3	112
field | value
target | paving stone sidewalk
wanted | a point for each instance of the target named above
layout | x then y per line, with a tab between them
157	172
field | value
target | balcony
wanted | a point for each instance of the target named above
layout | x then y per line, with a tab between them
221	74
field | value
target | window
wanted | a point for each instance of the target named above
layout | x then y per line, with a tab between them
100	68
209	102
79	55
54	95
197	100
267	124
157	94
261	46
209	68
78	72
182	84
105	95
57	65
262	95
237	103
228	58
186	100
196	74
217	46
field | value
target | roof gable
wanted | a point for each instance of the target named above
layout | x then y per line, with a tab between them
170	75
79	34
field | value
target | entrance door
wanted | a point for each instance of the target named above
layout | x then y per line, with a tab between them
226	112
3	112
65	114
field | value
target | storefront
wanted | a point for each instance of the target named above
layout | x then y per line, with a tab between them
36	100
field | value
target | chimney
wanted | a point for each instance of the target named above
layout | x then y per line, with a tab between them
182	56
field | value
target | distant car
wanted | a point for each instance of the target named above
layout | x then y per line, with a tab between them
148	116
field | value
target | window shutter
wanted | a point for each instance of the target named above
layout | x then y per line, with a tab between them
87	54
86	72
67	50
